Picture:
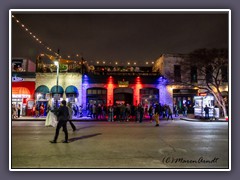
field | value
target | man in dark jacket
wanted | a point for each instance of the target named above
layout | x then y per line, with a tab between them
206	110
62	117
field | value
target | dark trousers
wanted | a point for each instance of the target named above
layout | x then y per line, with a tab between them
19	113
72	125
60	124
169	115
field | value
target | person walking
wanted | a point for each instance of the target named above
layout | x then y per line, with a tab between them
51	119
150	112
70	111
62	117
169	114
156	114
175	109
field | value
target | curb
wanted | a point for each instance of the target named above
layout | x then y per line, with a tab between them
202	120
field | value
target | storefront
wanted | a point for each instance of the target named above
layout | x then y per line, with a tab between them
71	94
201	102
20	96
22	93
96	96
184	96
57	95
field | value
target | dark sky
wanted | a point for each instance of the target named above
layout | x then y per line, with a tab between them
119	37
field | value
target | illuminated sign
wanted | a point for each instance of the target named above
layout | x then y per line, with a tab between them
202	94
123	83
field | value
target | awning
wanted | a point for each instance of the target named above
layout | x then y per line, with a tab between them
20	92
71	90
42	89
54	90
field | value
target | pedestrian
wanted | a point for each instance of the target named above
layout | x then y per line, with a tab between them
169	113
206	110
70	116
150	112
80	111
128	112
37	110
141	112
62	117
34	110
51	119
94	111
156	114
110	113
185	109
14	111
42	110
19	110
175	109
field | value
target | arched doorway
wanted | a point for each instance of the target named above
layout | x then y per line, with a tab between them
71	93
123	95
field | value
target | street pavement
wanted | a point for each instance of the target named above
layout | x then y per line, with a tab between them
109	145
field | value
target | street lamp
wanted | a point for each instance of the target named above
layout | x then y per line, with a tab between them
57	64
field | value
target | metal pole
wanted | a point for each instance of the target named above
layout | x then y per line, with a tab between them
57	77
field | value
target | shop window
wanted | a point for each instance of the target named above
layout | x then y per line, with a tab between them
209	71
194	74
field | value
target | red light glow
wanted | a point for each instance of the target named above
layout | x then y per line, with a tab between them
138	86
110	87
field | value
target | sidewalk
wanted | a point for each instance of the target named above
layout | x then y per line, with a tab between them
43	118
191	117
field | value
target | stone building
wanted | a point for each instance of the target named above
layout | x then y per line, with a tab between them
181	76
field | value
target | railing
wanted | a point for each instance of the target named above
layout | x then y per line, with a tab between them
120	73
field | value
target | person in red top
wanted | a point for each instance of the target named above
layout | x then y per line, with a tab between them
42	110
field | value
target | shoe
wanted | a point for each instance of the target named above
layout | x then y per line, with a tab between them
157	125
64	141
53	141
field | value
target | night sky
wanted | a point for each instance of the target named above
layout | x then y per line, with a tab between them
123	37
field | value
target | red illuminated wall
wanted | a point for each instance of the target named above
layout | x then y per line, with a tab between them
27	84
138	86
110	87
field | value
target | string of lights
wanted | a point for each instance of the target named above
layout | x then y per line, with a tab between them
33	35
67	57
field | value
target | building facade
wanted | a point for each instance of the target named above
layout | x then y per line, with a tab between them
184	80
110	85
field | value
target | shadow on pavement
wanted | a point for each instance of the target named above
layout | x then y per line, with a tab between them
84	127
83	137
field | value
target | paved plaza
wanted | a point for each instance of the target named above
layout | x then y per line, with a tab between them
174	144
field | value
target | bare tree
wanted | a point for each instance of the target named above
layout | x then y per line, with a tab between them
207	69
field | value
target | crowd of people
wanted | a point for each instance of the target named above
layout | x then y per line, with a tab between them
116	112
126	112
